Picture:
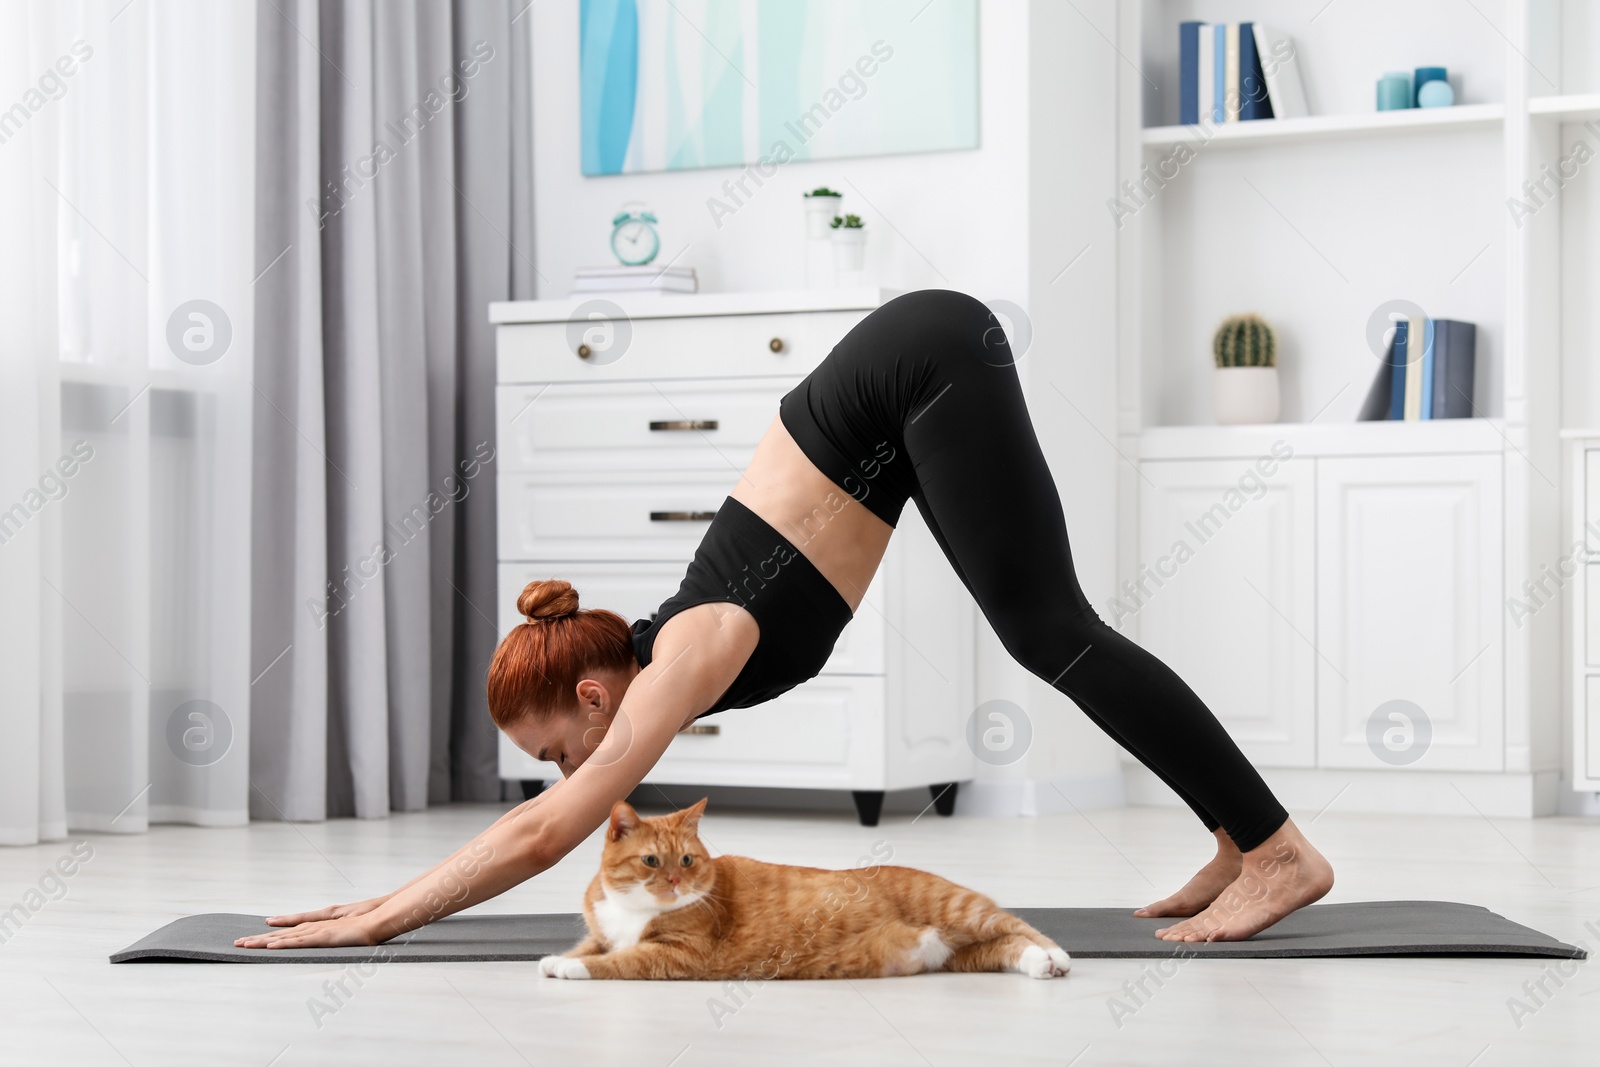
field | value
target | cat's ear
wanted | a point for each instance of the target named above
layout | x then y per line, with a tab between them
691	814
623	819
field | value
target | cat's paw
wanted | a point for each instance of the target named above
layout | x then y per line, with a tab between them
562	967
1037	962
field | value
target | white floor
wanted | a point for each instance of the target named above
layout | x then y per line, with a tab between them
60	1002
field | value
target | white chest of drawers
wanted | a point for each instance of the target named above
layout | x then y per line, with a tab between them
621	426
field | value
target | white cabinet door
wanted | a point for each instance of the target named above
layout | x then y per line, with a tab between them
1409	593
1226	594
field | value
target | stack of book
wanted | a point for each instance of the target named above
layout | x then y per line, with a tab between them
633	281
1426	373
1236	72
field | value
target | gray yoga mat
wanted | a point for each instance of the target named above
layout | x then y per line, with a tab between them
1375	928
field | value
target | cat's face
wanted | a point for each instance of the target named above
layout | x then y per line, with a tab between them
660	856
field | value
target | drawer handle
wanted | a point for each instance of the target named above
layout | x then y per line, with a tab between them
682	516
776	344
584	352
683	424
705	731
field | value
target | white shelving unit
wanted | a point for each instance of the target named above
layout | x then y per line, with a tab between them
1316	223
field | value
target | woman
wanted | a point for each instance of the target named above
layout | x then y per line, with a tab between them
920	402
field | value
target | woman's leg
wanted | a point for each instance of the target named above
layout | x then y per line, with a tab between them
985	489
1223	868
1110	727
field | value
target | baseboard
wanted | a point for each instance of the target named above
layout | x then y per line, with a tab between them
1033	796
993	799
654	799
1396	792
1573	802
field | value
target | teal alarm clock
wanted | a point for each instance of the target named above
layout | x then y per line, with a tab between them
634	240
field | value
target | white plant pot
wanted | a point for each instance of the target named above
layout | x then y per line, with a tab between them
820	211
849	249
1245	394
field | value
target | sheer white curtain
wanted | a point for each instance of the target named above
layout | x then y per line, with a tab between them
126	269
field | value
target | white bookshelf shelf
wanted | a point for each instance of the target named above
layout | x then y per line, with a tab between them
1328	127
1426	437
1570	107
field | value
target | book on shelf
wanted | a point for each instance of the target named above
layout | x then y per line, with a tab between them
1454	365
1427	372
1236	72
1189	73
1219	73
1281	69
589	281
1397	376
1230	66
1425	368
1254	100
1416	336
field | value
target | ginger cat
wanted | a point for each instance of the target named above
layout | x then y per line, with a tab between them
663	907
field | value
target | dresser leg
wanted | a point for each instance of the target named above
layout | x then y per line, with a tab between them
531	787
869	804
944	797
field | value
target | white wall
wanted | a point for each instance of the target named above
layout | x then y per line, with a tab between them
1072	367
944	219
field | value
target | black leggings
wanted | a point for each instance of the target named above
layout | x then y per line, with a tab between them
921	401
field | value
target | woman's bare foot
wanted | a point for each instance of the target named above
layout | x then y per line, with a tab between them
1204	887
1283	875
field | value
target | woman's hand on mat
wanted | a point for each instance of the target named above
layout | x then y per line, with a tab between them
332	911
326	933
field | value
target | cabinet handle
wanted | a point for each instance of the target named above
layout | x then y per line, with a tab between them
584	352
776	344
710	730
682	516
683	424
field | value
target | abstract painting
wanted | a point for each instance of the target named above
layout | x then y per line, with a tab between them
679	84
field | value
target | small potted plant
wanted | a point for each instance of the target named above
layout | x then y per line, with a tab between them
822	204
849	242
1245	385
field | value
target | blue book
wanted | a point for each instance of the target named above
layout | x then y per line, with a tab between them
1428	332
1219	74
1188	73
1254	103
1397	368
1455	349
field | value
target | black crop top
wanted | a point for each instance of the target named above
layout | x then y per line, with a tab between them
745	561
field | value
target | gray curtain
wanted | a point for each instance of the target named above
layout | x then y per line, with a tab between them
393	203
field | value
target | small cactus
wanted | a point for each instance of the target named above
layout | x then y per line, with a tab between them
1245	341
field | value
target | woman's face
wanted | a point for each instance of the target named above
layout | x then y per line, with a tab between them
570	736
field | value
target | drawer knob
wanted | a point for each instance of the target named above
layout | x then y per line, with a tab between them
682	516
683	424
776	344
709	730
584	352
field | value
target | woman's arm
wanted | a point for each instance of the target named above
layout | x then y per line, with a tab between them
697	656
361	907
